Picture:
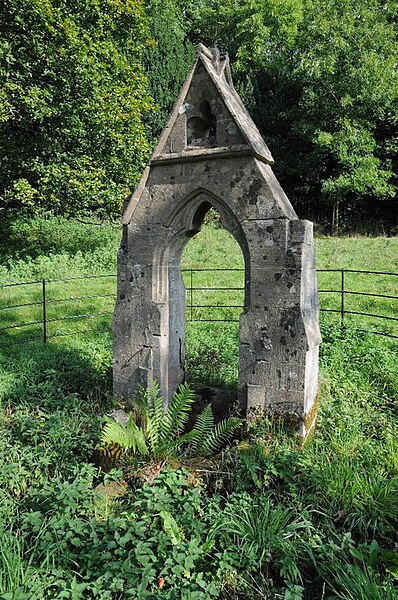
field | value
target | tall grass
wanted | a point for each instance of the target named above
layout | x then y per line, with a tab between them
21	563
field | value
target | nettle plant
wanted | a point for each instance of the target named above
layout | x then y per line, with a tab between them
155	432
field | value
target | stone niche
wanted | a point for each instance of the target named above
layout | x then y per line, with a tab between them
211	154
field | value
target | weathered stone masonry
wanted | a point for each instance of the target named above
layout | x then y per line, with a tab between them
211	154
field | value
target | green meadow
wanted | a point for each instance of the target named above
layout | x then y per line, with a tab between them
78	262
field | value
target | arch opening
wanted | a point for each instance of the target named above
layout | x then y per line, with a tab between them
221	266
213	270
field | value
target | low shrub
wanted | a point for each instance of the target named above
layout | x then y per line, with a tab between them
154	545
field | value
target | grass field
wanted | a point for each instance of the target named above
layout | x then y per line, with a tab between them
275	520
71	257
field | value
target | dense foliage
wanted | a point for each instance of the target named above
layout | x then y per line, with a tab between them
73	96
85	91
321	81
271	519
168	62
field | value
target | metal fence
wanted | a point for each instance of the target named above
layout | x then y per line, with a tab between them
345	293
43	302
39	299
341	290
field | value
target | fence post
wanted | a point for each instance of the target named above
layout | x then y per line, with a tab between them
44	311
342	300
191	285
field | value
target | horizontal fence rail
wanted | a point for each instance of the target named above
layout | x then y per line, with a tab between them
212	295
47	291
340	308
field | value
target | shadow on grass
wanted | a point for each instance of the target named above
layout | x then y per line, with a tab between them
52	400
46	374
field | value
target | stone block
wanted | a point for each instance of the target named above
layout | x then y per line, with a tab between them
256	397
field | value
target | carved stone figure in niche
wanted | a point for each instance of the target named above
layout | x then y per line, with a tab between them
211	154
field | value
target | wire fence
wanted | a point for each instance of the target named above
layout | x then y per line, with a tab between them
49	308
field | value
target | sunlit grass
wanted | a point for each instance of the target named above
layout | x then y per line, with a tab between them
76	252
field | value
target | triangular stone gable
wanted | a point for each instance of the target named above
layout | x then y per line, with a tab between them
213	83
209	83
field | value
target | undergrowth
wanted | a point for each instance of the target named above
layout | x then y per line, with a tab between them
272	519
269	517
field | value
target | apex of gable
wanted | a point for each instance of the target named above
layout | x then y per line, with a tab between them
219	62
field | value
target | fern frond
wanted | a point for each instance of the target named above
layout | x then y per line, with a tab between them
203	425
128	437
138	437
152	434
158	404
140	410
114	433
151	399
150	403
219	436
176	415
172	449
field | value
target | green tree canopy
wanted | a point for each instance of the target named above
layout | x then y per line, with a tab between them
349	103
320	78
77	118
169	59
73	96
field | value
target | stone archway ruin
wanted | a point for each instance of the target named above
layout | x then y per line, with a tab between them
211	154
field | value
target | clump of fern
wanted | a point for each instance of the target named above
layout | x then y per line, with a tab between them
155	431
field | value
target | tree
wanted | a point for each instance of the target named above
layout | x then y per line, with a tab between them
348	107
73	100
169	59
320	80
